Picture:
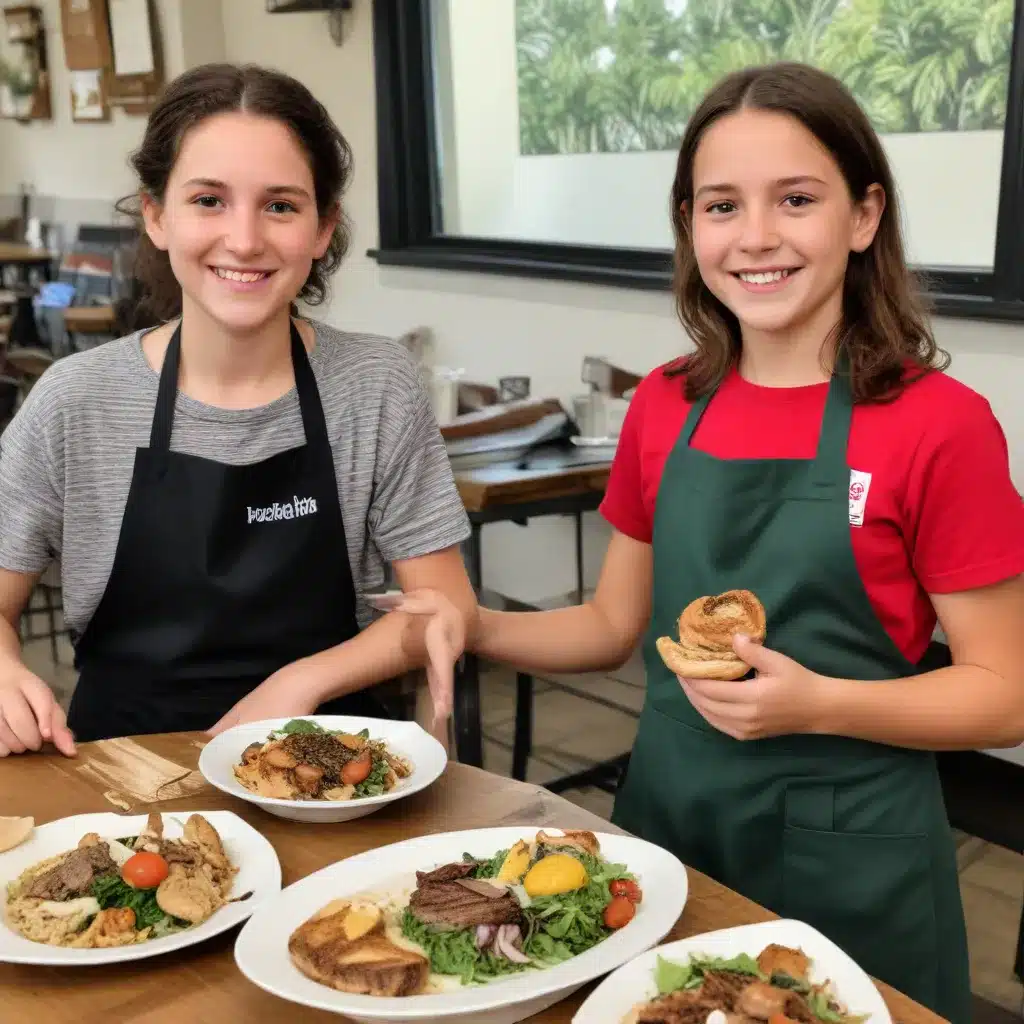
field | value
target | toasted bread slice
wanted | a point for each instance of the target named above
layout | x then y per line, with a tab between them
346	949
575	838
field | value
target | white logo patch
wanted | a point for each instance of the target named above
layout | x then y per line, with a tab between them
860	484
289	510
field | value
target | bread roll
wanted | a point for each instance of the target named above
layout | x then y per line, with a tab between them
706	630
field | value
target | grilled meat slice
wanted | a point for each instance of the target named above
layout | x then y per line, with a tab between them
74	875
447	873
687	1007
454	905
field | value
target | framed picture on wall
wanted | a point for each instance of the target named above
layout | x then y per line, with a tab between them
88	96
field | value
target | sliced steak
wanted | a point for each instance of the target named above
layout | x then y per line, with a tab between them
447	873
454	905
74	875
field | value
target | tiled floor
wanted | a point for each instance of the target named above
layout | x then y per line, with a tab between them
570	734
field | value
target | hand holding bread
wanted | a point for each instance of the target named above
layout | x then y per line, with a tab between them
706	630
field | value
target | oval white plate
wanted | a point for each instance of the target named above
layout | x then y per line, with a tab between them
613	999
426	755
258	871
261	951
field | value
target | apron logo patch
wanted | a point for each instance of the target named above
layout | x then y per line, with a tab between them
289	510
860	484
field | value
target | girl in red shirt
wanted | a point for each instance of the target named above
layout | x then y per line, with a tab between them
809	450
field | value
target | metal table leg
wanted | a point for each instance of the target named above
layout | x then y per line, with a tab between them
468	724
522	744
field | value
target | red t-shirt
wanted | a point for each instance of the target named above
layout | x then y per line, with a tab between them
941	513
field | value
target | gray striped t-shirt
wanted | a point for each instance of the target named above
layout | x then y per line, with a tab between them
66	459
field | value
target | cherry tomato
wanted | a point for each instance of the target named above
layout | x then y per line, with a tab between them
356	770
144	870
619	912
626	887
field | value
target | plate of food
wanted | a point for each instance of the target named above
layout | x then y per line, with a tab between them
101	888
775	972
501	922
323	768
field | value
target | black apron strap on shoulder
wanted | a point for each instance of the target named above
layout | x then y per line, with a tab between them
166	395
313	422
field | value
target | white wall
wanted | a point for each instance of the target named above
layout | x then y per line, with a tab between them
490	325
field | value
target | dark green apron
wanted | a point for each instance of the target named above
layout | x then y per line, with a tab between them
849	836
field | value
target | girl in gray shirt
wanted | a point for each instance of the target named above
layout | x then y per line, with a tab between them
220	490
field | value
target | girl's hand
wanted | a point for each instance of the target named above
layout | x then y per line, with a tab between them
782	699
445	640
30	716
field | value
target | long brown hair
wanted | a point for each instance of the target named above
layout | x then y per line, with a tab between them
884	325
203	92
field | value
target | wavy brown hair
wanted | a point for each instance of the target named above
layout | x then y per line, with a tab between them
203	92
884	329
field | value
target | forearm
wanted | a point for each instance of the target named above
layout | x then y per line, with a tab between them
576	639
959	708
10	644
386	649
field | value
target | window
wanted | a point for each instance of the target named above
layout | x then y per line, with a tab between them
539	137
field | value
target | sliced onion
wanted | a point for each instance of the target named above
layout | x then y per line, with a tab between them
506	943
484	934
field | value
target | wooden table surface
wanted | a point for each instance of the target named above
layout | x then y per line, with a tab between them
201	985
89	319
508	483
18	252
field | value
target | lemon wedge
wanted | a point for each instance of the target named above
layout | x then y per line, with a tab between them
516	861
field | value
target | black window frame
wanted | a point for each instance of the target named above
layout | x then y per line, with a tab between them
409	196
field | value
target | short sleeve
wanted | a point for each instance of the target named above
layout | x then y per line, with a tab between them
966	517
623	503
416	509
31	484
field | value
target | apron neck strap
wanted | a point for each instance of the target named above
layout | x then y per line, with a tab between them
835	423
693	417
313	422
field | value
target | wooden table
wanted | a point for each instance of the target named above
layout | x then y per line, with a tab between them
24	257
18	252
90	319
201	985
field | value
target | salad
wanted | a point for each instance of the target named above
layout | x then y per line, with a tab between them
472	921
115	892
774	988
304	761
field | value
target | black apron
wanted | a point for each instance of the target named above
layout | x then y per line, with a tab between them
851	837
222	575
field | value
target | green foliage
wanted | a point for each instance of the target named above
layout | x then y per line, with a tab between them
597	76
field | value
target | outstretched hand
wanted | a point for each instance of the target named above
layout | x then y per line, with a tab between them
445	639
783	697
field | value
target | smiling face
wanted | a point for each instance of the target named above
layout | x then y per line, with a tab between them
239	220
773	224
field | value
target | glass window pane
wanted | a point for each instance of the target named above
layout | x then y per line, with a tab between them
558	120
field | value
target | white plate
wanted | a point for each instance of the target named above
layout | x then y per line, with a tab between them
613	999
426	755
261	951
258	872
